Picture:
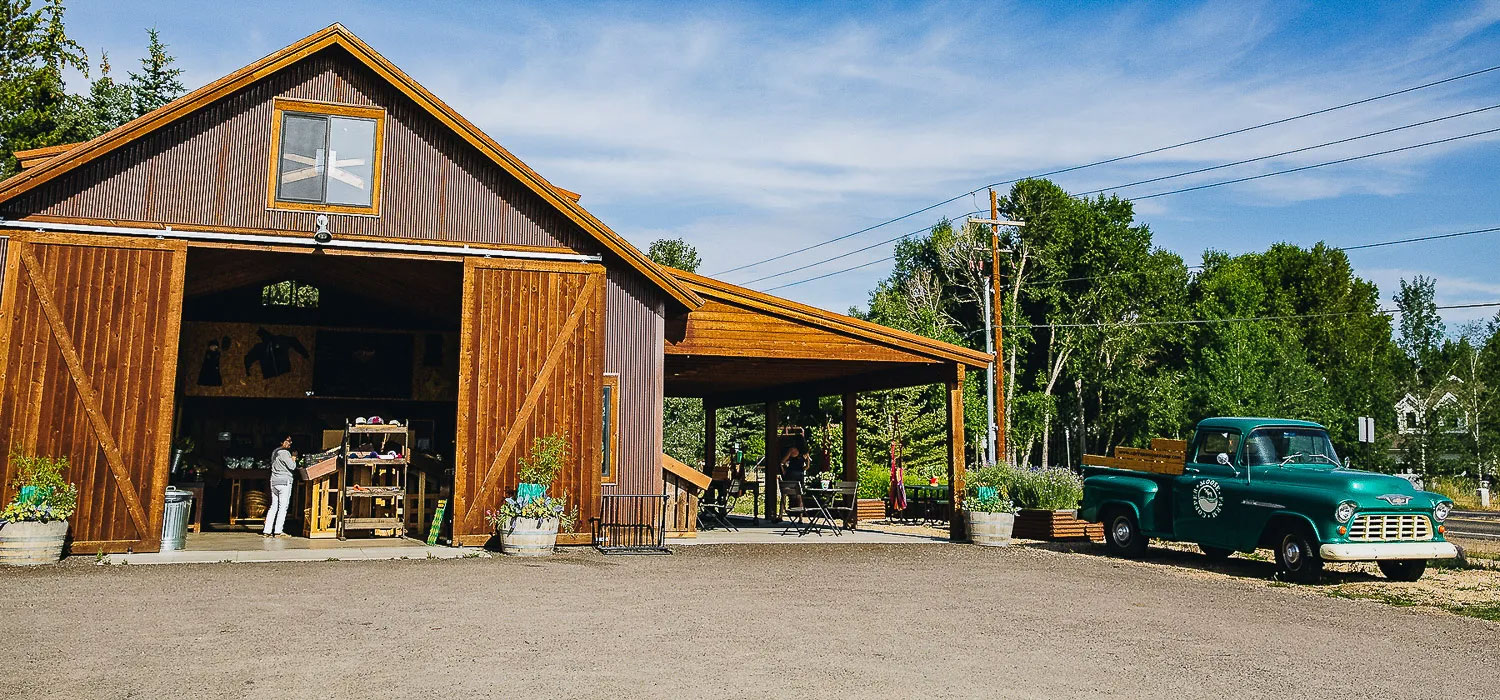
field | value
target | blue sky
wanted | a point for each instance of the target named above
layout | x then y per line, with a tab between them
754	129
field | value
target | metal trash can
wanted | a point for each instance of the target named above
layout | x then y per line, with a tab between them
174	518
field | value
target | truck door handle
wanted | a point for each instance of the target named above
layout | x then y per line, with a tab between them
1191	470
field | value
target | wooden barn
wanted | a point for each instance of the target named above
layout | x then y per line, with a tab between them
314	238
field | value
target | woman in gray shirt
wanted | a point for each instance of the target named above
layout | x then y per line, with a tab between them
282	464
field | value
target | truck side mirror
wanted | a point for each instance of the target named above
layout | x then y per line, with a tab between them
1223	458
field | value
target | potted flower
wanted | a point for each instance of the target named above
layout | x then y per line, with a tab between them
542	467
528	528
1048	500
34	526
990	514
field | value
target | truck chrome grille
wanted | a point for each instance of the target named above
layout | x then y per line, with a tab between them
1386	528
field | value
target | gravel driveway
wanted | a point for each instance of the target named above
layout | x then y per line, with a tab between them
803	621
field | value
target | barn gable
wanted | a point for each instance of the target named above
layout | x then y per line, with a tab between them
202	161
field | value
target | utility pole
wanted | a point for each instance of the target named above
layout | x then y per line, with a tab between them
992	316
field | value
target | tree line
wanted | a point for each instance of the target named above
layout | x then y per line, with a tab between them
1111	340
36	108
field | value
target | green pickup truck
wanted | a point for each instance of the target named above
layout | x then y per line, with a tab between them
1246	483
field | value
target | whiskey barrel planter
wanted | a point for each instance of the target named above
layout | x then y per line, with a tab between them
528	537
1055	526
868	509
32	543
991	529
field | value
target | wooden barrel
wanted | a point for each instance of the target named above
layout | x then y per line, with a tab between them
991	529
529	537
29	544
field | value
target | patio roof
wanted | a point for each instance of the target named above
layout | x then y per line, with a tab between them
744	346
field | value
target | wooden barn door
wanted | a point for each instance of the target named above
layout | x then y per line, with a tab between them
531	364
89	345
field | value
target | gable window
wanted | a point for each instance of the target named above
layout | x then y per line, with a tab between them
325	157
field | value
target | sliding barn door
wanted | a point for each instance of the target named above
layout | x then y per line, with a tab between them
531	364
89	344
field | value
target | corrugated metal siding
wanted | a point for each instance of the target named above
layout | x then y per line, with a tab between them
633	349
210	168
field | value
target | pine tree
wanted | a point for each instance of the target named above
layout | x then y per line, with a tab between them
110	103
157	83
35	109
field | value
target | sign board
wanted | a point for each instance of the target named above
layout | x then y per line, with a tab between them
437	521
1366	429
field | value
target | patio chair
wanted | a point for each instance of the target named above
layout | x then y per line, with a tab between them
712	509
940	508
842	506
732	492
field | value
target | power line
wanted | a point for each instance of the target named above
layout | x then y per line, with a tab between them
1363	246
1239	319
852	252
1316	165
1173	176
1118	159
1287	153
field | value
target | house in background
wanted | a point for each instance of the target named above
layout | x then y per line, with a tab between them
1418	419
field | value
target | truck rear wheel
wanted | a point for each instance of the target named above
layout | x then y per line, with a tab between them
1406	570
1297	557
1122	534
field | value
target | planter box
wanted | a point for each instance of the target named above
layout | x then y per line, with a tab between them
1055	525
867	509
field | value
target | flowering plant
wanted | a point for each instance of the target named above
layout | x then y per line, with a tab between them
41	493
540	508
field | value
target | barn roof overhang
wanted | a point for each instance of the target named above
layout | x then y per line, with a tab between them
744	346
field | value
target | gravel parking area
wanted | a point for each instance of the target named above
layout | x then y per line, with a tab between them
803	621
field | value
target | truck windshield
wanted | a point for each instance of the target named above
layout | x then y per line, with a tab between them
1271	446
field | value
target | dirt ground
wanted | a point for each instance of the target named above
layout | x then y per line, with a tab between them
816	620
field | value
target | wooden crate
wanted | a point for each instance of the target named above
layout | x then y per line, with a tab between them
1055	525
1164	457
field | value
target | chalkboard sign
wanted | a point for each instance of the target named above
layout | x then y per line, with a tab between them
437	521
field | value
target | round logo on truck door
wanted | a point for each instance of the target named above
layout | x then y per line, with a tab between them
1208	501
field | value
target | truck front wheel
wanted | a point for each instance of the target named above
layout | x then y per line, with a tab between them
1408	570
1122	534
1297	557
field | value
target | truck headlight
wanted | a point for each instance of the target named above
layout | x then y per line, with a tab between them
1440	511
1344	512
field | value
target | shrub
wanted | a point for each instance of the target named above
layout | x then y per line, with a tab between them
874	482
989	499
1462	491
547	456
1047	489
541	508
41	492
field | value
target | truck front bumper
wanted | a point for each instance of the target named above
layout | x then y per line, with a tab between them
1376	551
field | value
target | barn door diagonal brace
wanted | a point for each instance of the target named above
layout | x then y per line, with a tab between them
534	394
86	393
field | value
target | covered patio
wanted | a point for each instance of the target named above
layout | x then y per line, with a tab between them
744	347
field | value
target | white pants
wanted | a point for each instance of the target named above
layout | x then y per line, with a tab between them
281	497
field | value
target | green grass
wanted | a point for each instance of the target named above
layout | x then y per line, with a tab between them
1461	490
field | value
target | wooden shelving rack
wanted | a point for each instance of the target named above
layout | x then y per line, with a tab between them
372	491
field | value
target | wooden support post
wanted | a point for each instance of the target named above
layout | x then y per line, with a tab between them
771	483
851	449
956	524
710	435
